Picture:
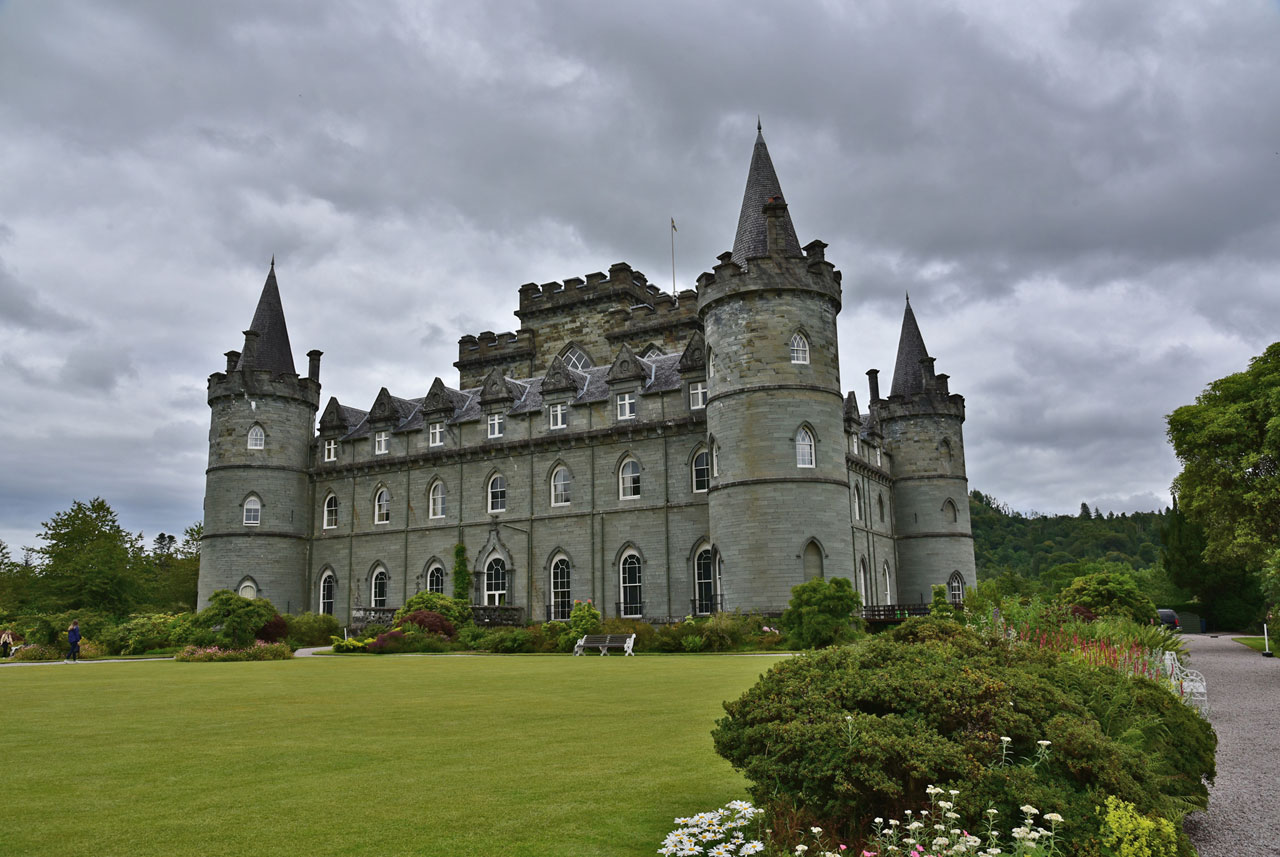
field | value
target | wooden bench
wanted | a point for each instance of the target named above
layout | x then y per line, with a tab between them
605	642
1189	683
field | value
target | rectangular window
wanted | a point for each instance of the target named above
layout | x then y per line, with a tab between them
435	434
857	446
330	450
626	406
697	396
556	416
495	425
878	457
380	443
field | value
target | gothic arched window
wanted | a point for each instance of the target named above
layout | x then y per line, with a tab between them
497	493
378	587
330	512
257	438
382	506
804	448
328	592
799	349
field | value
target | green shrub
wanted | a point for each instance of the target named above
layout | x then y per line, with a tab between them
1109	594
351	644
584	619
1129	833
461	577
457	612
233	620
837	737
39	652
822	613
259	651
142	633
939	606
670	638
693	643
507	641
646	636
93	625
471	636
311	629
555	638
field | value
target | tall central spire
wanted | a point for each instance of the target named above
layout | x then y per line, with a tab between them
908	376
272	350
752	239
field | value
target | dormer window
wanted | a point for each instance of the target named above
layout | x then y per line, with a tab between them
557	416
257	438
575	359
381	442
330	450
626	406
435	434
799	349
697	396
495	425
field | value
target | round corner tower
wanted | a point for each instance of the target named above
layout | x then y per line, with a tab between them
922	424
778	504
257	486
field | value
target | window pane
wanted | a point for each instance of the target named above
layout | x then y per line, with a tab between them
495	582
498	494
632	602
704	594
561	603
435	580
804	449
701	471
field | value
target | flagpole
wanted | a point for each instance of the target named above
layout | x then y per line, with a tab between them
673	257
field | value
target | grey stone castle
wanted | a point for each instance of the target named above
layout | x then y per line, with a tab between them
660	454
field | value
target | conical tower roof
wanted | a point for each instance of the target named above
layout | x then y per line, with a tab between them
908	377
273	351
762	186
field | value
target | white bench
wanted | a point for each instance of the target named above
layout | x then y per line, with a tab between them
605	642
1190	684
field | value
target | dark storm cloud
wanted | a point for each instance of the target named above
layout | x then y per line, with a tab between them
1083	200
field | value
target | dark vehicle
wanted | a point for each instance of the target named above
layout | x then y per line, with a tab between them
1168	617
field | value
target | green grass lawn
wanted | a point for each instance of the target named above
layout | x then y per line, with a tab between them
523	755
1255	643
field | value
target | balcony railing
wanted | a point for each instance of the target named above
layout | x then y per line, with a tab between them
897	612
362	616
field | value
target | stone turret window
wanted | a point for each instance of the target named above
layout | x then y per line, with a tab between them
252	512
328	592
248	589
382	507
257	437
435	579
561	600
632	603
378	588
496	422
804	448
629	479
949	513
626	406
701	472
495	582
381	441
330	512
435	434
330	450
704	592
561	485
697	396
799	349
557	416
497	493
436	500
955	587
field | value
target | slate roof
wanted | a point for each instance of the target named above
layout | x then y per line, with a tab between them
908	377
273	351
752	238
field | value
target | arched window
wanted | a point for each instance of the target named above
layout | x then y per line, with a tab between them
435	579
252	512
248	589
799	349
701	471
880	506
889	596
328	592
629	479
257	437
804	448
497	493
949	511
378	587
857	502
704	592
864	582
495	582
382	506
561	602
812	561
944	455
330	512
575	358
561	483
632	604
955	587
436	500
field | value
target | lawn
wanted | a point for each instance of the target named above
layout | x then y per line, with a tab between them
521	755
1255	643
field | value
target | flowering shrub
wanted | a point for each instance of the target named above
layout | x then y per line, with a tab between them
273	630
1129	833
351	644
259	651
311	629
457	612
430	622
721	832
940	832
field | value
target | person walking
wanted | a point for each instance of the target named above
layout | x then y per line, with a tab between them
6	643
73	639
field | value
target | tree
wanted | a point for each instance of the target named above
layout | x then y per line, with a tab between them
822	613
176	569
1110	593
89	561
1085	514
1229	593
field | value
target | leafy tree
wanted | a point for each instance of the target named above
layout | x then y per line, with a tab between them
822	613
461	574
232	621
1085	514
89	561
1109	593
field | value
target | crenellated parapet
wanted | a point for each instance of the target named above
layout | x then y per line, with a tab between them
259	383
808	272
510	352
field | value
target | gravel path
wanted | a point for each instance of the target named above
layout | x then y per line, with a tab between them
1244	700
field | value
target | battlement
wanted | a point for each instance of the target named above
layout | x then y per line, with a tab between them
263	383
621	281
809	272
512	352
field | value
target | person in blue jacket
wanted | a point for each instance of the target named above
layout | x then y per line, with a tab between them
73	638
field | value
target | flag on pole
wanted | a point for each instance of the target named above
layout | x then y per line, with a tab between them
673	225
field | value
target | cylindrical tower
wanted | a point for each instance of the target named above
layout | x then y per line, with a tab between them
922	424
257	507
778	503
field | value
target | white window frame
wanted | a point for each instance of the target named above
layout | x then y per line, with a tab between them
330	450
496	425
382	506
800	349
857	446
257	437
328	581
252	512
703	477
247	589
715	459
331	512
381	442
557	416
575	358
437	500
436	569
631	608
626	406
496	494
629	480
492	595
380	575
878	462
561	589
888	597
806	448
955	587
864	582
704	590
562	490
435	434
857	502
697	396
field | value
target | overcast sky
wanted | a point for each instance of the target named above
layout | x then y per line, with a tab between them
1083	200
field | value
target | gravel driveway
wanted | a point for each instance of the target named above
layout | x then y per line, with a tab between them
1244	701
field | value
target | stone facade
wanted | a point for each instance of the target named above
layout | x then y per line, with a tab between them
659	454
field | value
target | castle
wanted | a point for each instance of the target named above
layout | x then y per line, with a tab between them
662	455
